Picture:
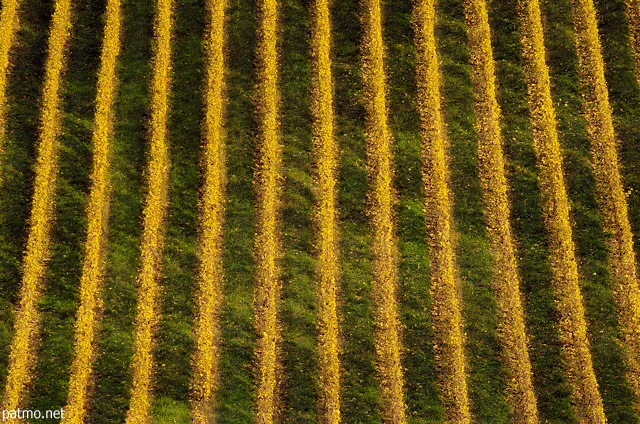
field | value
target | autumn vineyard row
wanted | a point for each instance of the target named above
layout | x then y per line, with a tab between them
446	302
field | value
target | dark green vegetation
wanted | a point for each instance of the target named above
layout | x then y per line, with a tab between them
110	393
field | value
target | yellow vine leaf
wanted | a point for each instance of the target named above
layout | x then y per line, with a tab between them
446	307
573	327
497	212
153	226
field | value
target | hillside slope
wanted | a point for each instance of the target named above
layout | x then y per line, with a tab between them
299	391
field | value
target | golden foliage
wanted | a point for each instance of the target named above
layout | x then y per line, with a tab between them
633	19
27	320
511	325
573	327
153	219
611	196
382	200
209	295
9	22
446	308
97	217
267	247
327	232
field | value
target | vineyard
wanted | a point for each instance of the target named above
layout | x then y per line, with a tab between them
320	211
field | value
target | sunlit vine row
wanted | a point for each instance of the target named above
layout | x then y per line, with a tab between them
9	22
206	374
97	217
609	187
573	328
446	303
154	214
382	200
633	20
506	281
268	184
27	316
327	232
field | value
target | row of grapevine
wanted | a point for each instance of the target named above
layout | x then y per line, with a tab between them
27	315
497	212
97	213
209	295
8	26
325	149
268	187
382	200
154	214
446	303
573	327
609	188
633	17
